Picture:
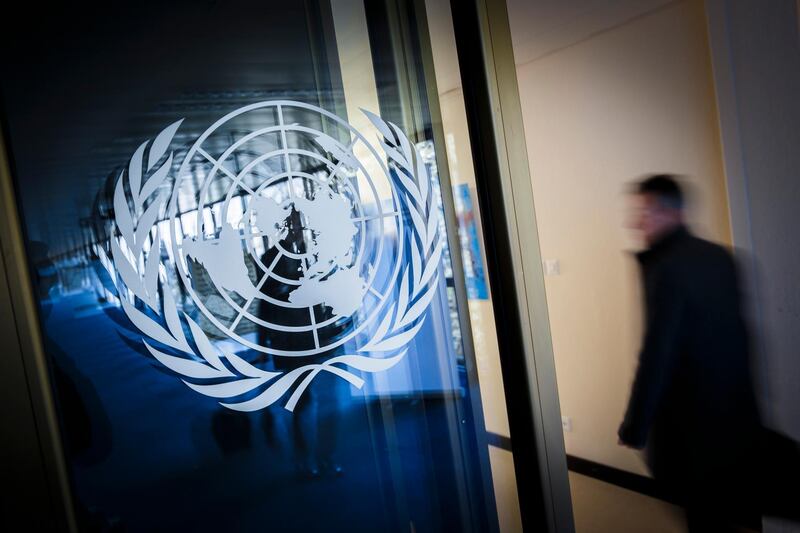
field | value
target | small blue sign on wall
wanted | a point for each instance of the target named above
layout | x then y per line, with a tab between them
470	244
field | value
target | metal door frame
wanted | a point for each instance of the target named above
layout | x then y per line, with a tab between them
38	496
505	196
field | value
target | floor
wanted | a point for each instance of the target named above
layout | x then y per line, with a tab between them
600	507
146	453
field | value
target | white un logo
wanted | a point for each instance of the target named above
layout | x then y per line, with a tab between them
290	228
290	234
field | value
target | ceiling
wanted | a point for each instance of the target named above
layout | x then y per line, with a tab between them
83	88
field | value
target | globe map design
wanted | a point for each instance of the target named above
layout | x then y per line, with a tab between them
321	223
328	218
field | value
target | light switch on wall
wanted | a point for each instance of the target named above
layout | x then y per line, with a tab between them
566	423
552	267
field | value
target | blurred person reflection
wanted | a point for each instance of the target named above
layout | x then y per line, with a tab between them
692	401
314	422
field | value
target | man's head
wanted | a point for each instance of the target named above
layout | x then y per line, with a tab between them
659	206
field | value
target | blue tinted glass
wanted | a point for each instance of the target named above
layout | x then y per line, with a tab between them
241	256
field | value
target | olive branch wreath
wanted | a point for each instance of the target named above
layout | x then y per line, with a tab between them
137	274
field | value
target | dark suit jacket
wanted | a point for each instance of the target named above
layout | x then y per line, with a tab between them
692	400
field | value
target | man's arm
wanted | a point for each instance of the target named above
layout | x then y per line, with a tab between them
657	360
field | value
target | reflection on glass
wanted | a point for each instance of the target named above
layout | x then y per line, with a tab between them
237	249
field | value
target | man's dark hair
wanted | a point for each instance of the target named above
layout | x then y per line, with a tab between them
664	187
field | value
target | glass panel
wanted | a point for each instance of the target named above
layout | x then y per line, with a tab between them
483	339
256	248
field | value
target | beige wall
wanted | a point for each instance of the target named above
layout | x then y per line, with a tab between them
630	99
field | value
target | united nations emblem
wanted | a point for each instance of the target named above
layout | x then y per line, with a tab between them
287	233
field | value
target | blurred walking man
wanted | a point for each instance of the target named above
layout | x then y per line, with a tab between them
692	401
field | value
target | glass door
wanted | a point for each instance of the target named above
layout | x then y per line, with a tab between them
257	257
